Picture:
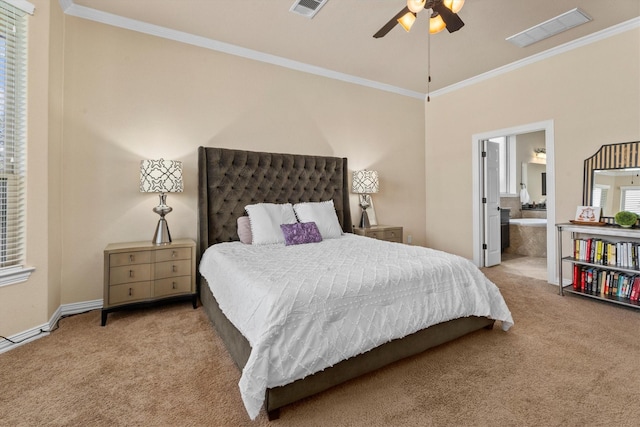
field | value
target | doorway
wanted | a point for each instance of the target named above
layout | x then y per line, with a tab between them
479	220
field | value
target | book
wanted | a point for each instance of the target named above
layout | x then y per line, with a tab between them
588	287
613	288
635	289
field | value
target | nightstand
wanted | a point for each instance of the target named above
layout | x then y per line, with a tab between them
389	233
141	273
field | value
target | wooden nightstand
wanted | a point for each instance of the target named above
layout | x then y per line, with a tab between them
138	273
381	232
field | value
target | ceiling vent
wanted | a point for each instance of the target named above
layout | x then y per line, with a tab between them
307	8
549	28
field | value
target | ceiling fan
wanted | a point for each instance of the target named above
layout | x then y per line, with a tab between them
444	14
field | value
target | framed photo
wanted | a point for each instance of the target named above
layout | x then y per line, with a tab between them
588	214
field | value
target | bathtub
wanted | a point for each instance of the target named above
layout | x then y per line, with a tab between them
529	222
528	237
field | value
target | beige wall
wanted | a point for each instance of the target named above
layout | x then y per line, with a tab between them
30	304
54	154
592	94
130	96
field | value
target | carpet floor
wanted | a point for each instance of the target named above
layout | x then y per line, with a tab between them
568	361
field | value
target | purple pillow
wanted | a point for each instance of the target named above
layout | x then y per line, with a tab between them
300	232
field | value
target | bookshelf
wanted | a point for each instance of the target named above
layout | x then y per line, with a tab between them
610	254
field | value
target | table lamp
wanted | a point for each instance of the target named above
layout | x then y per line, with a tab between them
364	183
161	176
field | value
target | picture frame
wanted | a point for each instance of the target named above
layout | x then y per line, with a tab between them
588	214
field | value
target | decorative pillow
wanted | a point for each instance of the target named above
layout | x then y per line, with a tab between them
323	214
244	230
265	221
300	232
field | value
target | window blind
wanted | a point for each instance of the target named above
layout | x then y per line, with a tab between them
600	194
630	199
13	53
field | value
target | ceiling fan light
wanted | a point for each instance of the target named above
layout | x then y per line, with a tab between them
454	5
416	6
407	20
436	24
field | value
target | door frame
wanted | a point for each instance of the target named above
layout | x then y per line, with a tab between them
478	215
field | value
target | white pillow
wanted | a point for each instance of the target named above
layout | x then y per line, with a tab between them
265	221
323	214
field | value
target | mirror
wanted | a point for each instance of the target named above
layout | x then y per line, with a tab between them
608	188
614	168
537	182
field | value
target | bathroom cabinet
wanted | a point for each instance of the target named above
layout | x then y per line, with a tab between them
505	213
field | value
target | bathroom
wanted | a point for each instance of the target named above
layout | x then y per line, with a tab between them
527	213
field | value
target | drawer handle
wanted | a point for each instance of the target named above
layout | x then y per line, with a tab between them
130	292
174	254
173	285
174	268
131	258
130	273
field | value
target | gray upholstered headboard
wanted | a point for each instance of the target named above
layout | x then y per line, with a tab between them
228	180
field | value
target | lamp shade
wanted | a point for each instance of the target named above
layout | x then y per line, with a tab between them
407	20
453	5
416	6
365	182
436	24
160	176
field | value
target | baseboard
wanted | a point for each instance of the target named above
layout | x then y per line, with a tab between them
46	328
24	337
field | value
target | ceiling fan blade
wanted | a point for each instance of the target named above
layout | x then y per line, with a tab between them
392	23
451	20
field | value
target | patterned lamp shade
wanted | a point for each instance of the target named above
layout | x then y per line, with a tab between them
161	176
365	182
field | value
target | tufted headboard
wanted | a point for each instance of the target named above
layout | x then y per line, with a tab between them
228	180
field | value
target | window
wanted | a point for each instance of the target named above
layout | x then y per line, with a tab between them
600	193
630	199
13	59
507	155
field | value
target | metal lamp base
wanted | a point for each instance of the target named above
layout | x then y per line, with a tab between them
364	220
162	235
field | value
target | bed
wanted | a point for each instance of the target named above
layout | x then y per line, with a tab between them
229	180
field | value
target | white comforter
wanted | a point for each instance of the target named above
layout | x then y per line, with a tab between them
304	308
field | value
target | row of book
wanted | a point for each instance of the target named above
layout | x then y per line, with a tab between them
597	251
597	281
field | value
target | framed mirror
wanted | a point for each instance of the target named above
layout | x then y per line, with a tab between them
612	178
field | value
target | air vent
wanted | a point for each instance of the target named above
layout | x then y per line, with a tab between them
549	28
307	8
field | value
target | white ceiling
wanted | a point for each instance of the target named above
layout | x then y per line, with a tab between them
338	40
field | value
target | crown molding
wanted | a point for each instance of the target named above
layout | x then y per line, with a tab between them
583	41
72	9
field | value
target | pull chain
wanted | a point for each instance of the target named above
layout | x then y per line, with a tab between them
428	65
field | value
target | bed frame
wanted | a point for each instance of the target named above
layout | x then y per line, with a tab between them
228	180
